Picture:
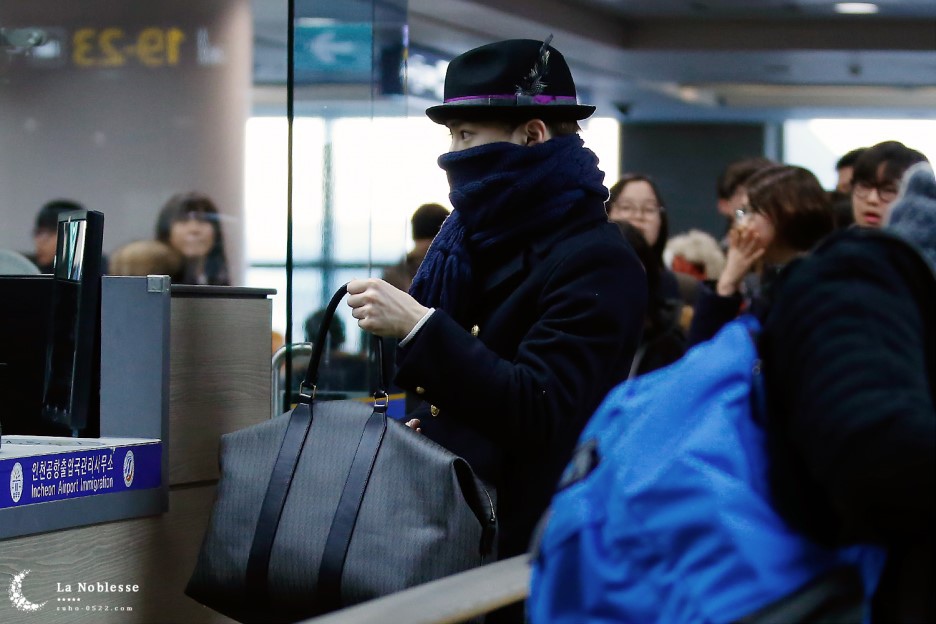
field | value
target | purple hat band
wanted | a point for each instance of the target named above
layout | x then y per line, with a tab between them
518	100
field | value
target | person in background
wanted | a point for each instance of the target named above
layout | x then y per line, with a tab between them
636	199
425	223
786	211
529	305
849	355
694	257
663	340
15	263
844	169
277	340
45	232
842	207
732	190
876	179
190	223
147	257
841	196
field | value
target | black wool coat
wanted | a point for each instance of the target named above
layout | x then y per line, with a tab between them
849	353
555	328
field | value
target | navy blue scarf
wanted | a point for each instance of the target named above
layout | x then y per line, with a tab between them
505	197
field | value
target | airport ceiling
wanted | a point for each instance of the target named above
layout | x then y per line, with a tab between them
702	59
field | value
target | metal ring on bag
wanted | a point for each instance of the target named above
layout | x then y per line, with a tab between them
381	400
302	394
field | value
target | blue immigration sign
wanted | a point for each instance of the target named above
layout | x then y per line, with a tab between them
39	472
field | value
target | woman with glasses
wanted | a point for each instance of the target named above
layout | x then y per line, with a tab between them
636	206
785	213
876	178
636	199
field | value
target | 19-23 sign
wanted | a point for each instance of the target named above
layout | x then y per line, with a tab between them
114	47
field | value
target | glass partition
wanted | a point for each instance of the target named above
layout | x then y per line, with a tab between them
347	107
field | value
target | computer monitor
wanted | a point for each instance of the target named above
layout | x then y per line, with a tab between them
25	314
72	371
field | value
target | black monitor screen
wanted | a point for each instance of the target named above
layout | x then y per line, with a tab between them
25	314
70	387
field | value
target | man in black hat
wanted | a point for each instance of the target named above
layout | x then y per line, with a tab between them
529	305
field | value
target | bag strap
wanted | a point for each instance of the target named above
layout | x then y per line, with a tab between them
287	459
258	562
638	358
835	596
312	372
339	534
328	592
752	324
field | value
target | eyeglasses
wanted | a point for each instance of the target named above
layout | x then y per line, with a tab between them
633	210
887	191
743	212
195	215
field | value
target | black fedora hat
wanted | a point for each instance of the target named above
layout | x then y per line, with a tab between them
512	78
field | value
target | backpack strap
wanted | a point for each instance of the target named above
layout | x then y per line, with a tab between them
836	596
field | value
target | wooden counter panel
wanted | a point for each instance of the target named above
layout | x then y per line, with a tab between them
156	553
233	392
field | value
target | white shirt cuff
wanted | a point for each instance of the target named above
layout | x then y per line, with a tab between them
417	327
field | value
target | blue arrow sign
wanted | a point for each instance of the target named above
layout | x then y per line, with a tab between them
334	52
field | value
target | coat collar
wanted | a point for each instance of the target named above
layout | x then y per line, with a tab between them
518	265
515	266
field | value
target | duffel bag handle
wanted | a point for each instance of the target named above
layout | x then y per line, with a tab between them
309	384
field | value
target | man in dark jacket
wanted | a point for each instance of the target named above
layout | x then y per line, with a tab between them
529	305
45	232
425	223
849	350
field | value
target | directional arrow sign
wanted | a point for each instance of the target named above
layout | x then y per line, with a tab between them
327	49
334	53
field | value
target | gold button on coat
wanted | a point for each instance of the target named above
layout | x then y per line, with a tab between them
420	390
433	410
475	330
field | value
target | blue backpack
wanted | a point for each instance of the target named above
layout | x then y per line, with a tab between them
664	513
